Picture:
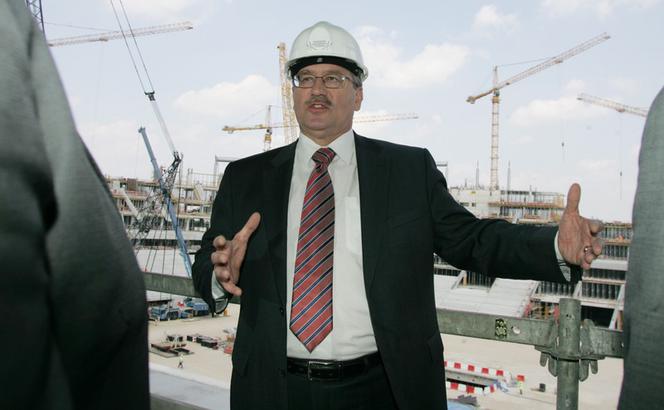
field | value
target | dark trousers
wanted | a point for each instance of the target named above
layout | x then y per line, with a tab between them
367	391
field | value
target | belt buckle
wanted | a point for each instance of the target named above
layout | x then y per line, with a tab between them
310	377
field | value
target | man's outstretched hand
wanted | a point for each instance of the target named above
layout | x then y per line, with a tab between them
578	239
229	255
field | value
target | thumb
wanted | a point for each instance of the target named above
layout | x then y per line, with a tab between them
249	227
573	198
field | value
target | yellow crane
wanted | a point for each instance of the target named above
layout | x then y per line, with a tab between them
497	85
268	126
621	108
290	122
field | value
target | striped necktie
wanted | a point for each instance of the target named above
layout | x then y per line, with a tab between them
311	309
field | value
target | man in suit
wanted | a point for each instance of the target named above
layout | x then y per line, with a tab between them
644	309
74	321
329	241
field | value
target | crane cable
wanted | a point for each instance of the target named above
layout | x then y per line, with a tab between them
138	50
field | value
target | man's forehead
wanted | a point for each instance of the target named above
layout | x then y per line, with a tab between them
324	68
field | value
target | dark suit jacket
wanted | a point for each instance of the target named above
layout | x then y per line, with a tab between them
72	296
407	215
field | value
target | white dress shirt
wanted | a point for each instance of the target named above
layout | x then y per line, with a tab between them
352	334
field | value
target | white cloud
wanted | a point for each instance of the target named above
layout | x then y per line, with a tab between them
388	68
602	8
229	100
488	17
118	149
567	107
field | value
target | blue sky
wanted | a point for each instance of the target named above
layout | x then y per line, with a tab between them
425	57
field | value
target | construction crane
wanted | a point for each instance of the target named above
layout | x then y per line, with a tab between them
290	122
35	7
149	213
152	208
268	127
621	108
497	85
117	34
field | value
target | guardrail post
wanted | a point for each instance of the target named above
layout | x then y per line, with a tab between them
568	347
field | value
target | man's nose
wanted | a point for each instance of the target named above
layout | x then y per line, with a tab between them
319	86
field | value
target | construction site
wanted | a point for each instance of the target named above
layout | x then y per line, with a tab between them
499	334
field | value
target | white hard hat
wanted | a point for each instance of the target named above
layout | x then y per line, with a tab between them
326	43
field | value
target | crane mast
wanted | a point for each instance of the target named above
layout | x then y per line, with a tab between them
497	85
290	122
621	108
35	8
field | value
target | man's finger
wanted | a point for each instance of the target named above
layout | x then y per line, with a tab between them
596	226
597	246
220	257
573	198
249	227
219	242
232	288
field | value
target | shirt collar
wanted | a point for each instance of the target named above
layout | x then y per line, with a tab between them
343	146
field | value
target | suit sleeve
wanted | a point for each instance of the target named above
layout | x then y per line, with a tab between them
27	212
644	308
220	224
490	246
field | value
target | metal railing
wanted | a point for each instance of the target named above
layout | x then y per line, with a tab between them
569	347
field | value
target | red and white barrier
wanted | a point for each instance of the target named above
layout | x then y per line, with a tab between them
479	370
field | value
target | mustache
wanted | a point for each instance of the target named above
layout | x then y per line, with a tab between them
320	99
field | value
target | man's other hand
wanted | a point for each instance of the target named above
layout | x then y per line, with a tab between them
578	239
229	255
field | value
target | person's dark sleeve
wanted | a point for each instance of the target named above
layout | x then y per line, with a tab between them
644	296
493	247
27	212
220	224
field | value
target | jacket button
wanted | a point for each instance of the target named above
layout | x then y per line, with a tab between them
281	310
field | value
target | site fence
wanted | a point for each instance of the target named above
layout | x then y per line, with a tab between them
569	347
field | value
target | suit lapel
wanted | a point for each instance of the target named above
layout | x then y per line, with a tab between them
276	188
372	173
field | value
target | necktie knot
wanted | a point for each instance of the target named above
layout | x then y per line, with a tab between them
323	157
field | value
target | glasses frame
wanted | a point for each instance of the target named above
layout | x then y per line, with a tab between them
342	77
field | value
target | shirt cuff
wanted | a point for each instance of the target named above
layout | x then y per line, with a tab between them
562	264
219	294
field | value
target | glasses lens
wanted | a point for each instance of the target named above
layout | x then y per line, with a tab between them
329	81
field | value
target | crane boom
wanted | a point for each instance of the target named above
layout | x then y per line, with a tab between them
542	66
117	34
497	85
621	108
358	119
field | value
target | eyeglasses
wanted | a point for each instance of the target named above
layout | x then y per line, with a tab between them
329	80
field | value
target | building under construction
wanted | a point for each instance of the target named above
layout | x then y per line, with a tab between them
600	291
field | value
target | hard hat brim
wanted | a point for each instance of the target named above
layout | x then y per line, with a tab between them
349	65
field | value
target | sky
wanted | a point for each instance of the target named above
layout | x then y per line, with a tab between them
424	57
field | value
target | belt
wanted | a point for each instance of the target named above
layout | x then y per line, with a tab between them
330	370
